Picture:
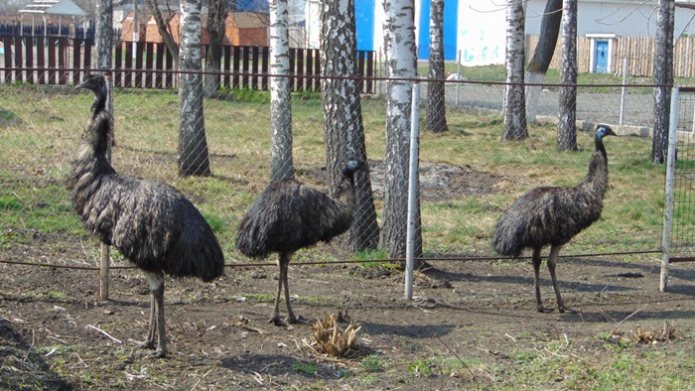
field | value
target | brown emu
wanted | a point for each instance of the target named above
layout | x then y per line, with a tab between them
152	224
289	215
553	216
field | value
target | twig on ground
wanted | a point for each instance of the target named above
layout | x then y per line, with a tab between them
459	358
105	333
201	378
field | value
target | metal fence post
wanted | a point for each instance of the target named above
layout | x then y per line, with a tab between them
412	189
669	191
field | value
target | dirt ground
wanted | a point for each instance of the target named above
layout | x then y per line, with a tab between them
55	333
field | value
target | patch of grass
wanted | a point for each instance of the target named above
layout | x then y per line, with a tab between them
301	366
260	297
372	363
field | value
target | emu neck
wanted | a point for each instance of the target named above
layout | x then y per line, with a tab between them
597	178
95	143
99	104
345	196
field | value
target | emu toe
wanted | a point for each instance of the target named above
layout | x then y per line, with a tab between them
277	321
546	310
569	310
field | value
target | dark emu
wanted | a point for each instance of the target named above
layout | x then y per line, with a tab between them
553	216
150	223
289	215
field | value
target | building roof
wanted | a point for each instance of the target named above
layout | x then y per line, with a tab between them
53	7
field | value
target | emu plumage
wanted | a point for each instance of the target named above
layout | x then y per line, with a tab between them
289	215
553	216
151	223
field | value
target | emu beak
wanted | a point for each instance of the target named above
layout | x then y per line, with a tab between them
85	84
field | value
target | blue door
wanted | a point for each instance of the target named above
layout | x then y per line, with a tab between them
601	57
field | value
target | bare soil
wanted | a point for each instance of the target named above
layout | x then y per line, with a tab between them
55	333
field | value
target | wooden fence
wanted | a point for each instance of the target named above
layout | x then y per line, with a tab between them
638	50
62	60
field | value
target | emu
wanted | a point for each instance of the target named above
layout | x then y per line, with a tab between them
151	223
289	215
553	216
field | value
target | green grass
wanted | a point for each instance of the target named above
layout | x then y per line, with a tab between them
36	152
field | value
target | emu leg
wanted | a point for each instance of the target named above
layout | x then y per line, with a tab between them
552	262
275	319
536	258
149	340
290	314
157	325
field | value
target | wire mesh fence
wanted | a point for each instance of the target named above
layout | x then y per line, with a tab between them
682	210
466	176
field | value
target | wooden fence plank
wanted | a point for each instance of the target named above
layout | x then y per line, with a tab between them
118	66
9	73
149	64
18	58
41	59
160	48
63	61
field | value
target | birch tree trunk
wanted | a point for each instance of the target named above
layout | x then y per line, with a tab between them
216	28
342	111
436	102
515	128
193	147
281	165
399	37
663	78
104	35
542	56
567	111
163	29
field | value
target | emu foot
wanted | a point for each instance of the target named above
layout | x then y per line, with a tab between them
295	319
143	344
569	310
277	321
158	353
545	310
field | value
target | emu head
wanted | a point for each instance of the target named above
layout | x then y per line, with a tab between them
353	165
604	130
94	82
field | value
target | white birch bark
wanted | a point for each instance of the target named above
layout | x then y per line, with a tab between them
104	35
515	105
399	37
281	165
193	149
436	103
342	111
567	110
663	78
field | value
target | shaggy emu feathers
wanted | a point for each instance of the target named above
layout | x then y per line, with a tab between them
287	216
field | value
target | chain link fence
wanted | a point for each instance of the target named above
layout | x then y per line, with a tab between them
466	176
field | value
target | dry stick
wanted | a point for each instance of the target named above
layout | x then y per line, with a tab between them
201	378
105	333
459	358
633	314
26	356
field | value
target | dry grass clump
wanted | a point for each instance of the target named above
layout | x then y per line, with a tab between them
331	339
667	333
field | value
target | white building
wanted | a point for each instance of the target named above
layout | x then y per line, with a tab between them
476	28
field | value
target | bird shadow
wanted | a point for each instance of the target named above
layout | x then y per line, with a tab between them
39	372
619	316
578	286
410	330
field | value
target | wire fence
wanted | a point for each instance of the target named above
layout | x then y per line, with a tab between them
466	176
